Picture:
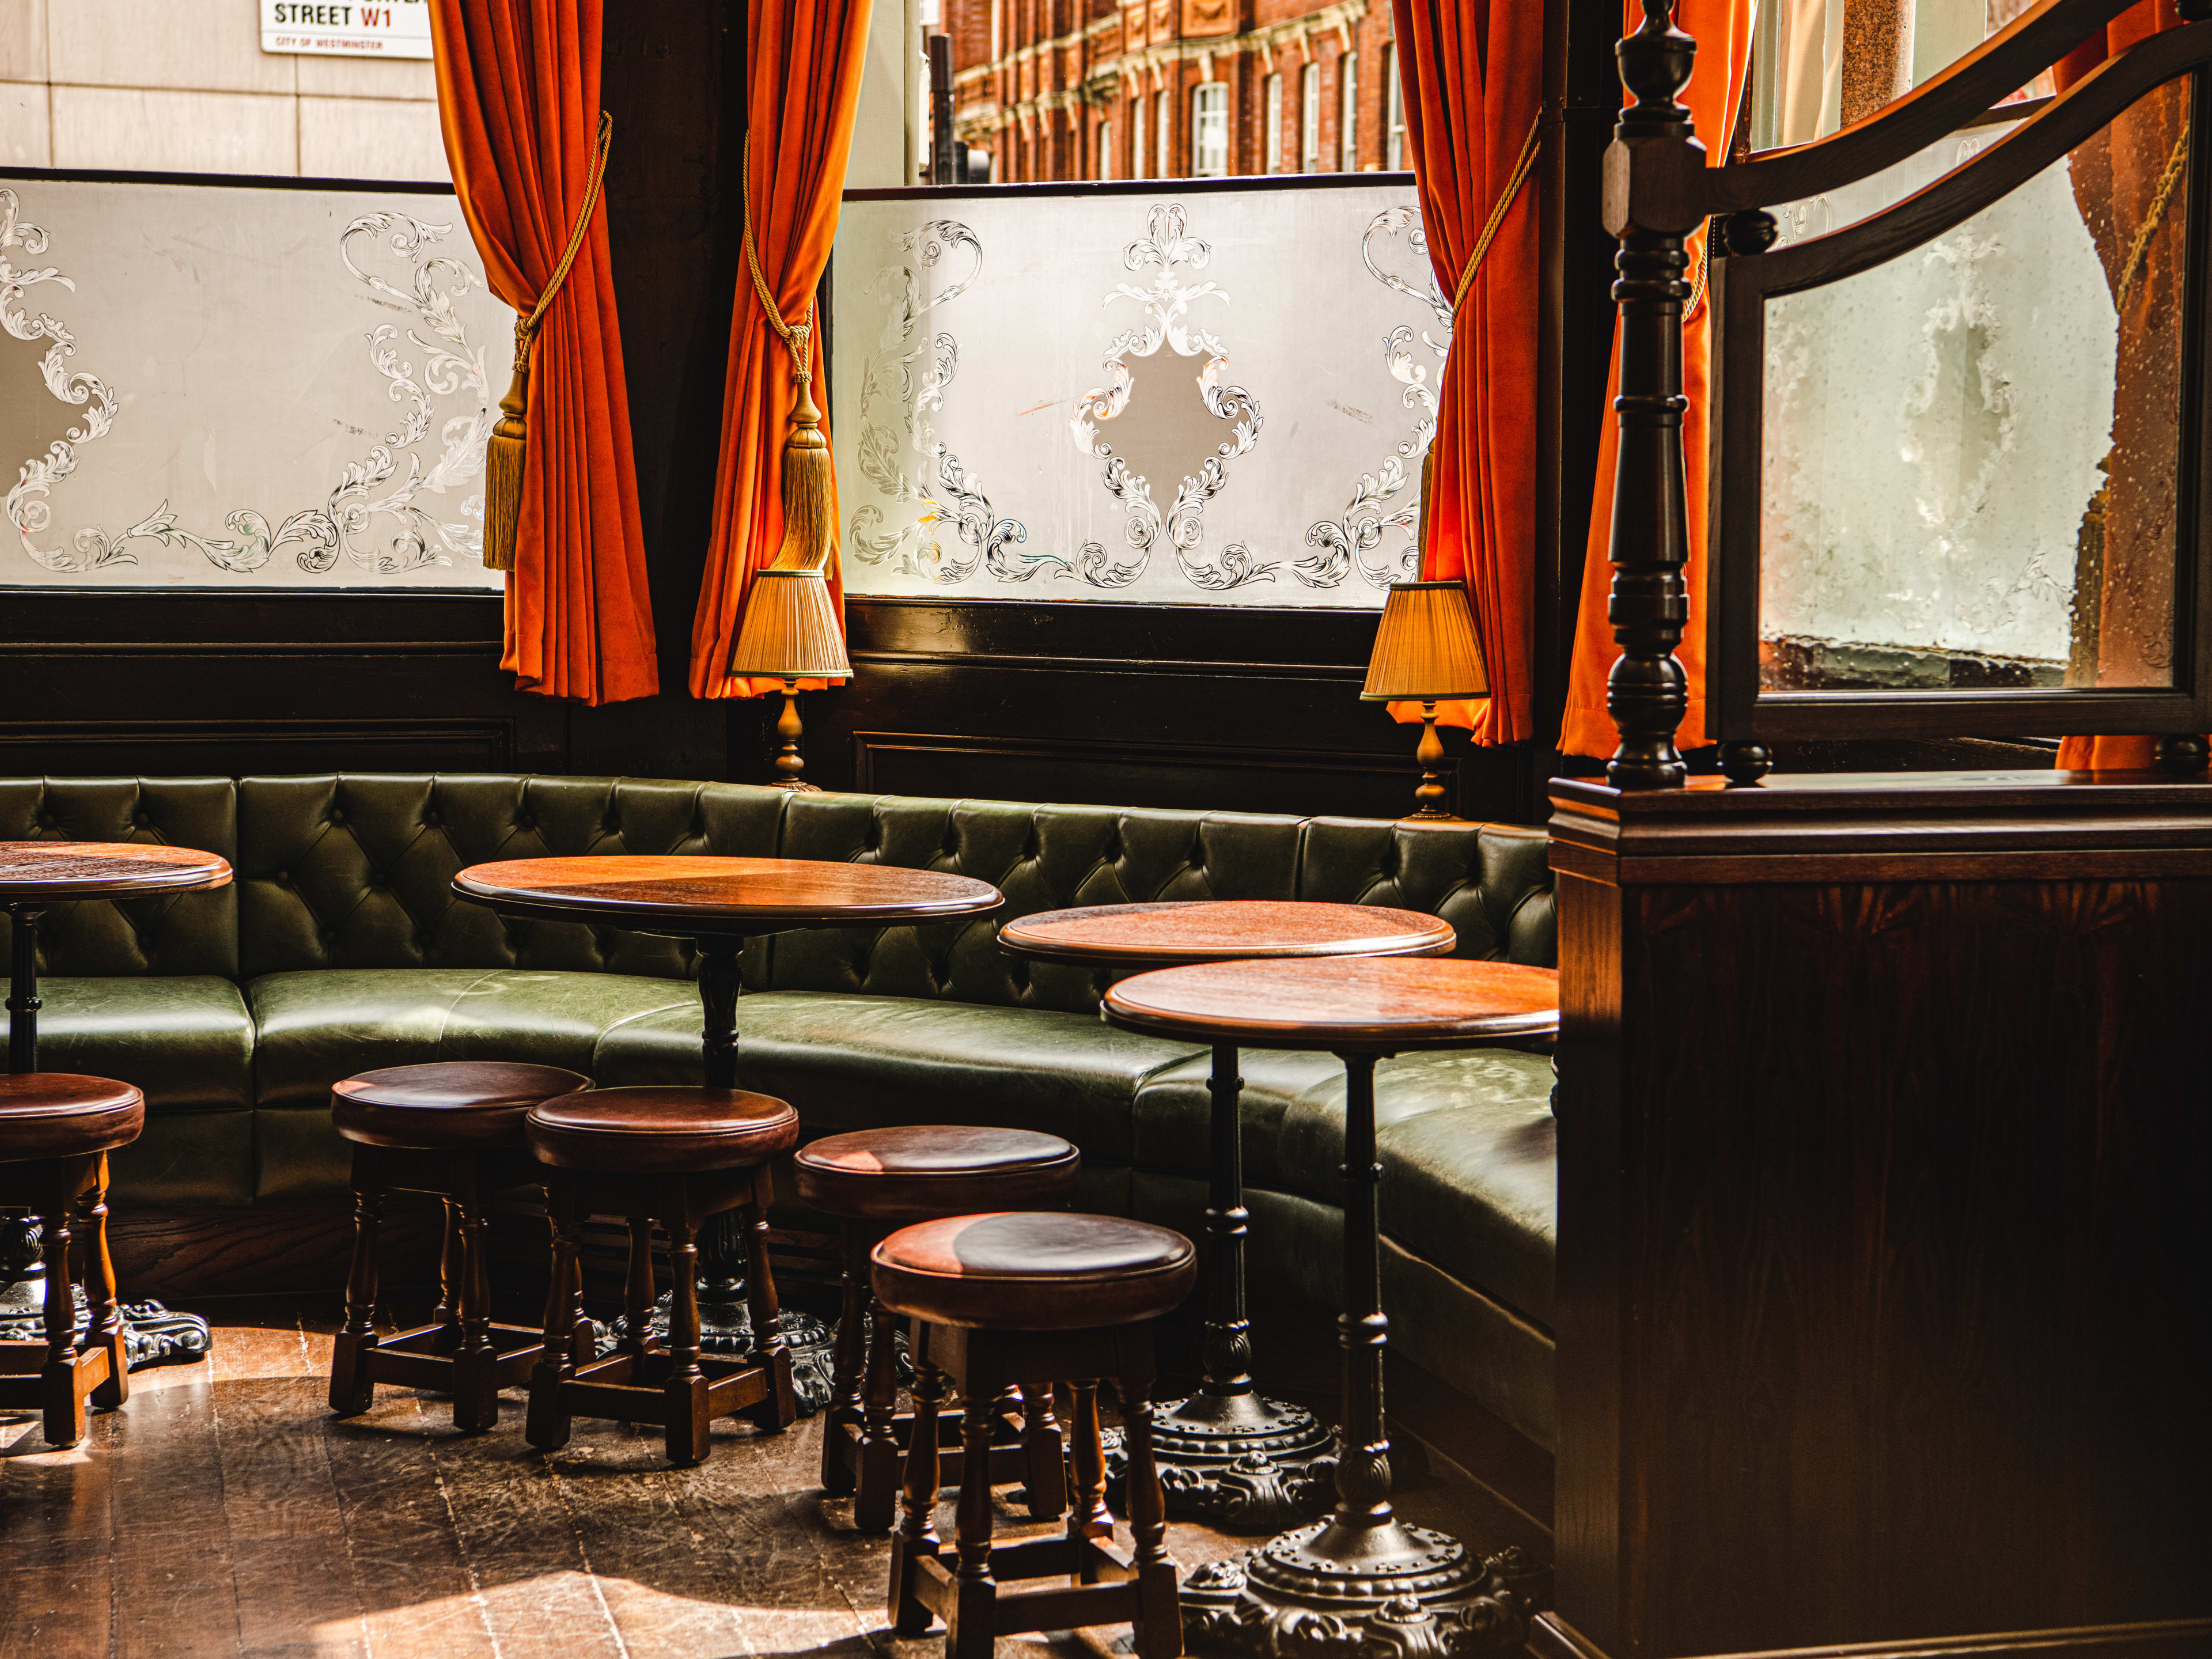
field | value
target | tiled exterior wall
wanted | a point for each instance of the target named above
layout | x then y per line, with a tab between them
155	85
1063	68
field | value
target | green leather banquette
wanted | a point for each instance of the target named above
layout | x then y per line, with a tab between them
340	947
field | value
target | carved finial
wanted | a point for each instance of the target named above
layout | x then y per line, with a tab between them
1655	65
2183	756
1744	761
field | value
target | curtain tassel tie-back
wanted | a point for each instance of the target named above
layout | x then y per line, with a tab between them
504	457
1520	170
810	496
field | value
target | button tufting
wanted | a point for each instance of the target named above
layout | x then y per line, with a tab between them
527	821
337	817
429	820
284	877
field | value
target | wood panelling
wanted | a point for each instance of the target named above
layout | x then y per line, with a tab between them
1187	707
1884	1273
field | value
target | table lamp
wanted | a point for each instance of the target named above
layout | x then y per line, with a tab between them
790	632
1424	652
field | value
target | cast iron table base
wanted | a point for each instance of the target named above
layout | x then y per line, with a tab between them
1362	1584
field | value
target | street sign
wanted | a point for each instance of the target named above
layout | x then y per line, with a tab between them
347	28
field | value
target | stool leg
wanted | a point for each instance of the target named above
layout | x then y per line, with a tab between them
447	1315
476	1365
841	1422
686	1420
637	1290
916	1539
1044	1459
779	1409
1087	1514
99	1293
547	1426
64	1406
877	1485
351	1391
1159	1616
969	1632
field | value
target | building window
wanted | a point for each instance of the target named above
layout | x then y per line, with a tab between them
1137	138
1209	130
1393	137
1347	113
1105	150
1163	135
1272	159
1310	118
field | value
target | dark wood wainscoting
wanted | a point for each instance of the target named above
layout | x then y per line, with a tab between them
1239	709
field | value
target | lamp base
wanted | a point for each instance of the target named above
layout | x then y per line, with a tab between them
1432	800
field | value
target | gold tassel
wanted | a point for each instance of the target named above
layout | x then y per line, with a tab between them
503	459
810	506
506	455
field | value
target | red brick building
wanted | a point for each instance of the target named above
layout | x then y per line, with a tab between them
1175	88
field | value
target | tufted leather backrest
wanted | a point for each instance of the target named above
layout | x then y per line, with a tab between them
173	933
355	870
1492	882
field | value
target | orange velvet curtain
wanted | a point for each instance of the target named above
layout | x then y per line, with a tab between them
1722	31
2127	182
518	99
803	59
1473	73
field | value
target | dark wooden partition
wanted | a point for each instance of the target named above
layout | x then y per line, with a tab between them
1885	1260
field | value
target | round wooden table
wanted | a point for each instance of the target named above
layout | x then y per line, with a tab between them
35	875
1228	1454
1397	1588
719	903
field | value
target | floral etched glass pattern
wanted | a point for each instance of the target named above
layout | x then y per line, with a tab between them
1970	451
1193	397
235	387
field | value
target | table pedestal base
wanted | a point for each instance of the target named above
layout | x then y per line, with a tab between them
1333	1591
152	1334
1241	1461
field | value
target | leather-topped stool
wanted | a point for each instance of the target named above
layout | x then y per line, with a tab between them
56	1131
876	1181
677	1156
452	1130
1044	1296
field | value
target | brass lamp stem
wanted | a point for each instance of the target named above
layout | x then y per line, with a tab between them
788	765
1431	800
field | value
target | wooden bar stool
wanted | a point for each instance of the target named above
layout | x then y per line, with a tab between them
56	1131
874	1181
677	1156
1049	1296
452	1130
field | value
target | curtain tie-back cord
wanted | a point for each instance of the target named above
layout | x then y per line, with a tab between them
1520	170
507	453
810	507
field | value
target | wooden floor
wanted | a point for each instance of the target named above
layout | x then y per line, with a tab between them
224	1511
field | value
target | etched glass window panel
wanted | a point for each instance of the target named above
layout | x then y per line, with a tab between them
1218	397
1971	451
240	388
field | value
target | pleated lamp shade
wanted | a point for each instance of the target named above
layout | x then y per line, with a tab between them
790	630
1426	650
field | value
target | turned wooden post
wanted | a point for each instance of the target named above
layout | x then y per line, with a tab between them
1651	170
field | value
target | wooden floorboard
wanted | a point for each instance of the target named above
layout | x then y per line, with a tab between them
225	1514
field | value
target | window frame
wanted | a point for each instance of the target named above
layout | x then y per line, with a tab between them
1271	124
1309	119
1209	109
1347	111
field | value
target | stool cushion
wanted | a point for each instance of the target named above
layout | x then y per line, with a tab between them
448	1103
62	1115
917	1172
664	1131
1033	1271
